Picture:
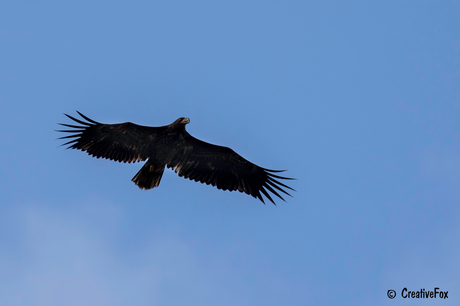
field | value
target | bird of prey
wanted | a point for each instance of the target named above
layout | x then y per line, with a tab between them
171	146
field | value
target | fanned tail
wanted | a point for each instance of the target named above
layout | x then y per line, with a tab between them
149	176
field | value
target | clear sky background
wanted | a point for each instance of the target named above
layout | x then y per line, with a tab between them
358	100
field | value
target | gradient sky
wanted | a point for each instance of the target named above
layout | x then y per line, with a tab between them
358	100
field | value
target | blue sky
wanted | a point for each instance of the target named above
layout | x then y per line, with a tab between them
359	101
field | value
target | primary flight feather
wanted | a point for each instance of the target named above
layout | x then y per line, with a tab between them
171	146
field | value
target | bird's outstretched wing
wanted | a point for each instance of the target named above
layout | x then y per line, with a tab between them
223	168
124	142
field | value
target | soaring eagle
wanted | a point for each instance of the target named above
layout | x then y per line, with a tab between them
173	147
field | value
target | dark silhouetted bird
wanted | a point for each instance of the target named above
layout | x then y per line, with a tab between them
171	146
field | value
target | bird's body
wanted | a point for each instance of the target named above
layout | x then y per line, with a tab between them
173	147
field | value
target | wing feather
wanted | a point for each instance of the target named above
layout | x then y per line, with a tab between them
223	168
123	142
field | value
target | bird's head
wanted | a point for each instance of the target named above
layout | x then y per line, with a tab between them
184	120
179	124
